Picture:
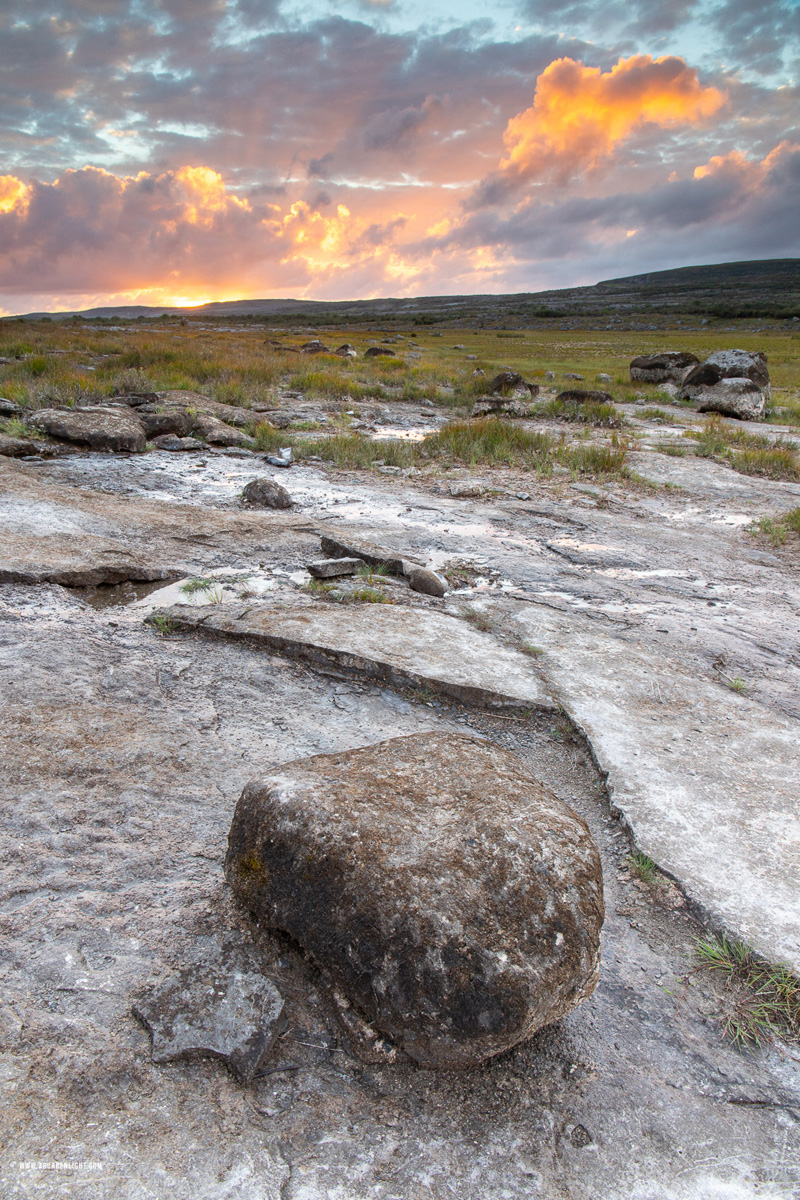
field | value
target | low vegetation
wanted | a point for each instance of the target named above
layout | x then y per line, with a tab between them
601	416
778	529
749	453
760	1001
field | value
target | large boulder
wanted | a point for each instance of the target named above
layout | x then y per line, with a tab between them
669	366
727	382
379	351
102	428
740	398
511	384
453	899
175	421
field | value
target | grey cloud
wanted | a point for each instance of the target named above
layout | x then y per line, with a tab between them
391	128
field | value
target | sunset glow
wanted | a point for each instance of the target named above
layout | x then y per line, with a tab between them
274	165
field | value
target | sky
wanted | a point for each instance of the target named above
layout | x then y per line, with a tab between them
180	151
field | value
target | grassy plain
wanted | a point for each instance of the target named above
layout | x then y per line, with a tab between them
255	367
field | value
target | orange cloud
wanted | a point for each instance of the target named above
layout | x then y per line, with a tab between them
13	193
580	115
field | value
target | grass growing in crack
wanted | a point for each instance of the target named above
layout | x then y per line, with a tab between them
737	684
642	867
761	1001
778	529
372	573
365	595
476	618
491	440
162	624
16	427
211	588
318	587
533	651
672	448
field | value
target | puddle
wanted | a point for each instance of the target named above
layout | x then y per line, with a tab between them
217	587
414	434
117	594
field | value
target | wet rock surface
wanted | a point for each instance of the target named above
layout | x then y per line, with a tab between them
455	901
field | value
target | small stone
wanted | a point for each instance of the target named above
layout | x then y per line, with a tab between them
346	351
283	458
571	375
222	1005
603	378
421	579
266	493
329	568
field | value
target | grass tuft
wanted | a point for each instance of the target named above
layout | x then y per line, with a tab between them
762	1001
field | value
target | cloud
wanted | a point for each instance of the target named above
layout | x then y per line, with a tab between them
581	114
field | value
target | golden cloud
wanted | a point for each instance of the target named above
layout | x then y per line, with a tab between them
581	114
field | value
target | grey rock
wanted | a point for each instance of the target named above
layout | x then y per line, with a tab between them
571	375
500	406
421	579
576	396
8	408
507	383
669	366
218	433
314	347
377	351
102	428
549	374
137	399
175	421
740	398
223	1005
711	383
471	357
282	458
280	420
346	351
266	493
603	378
356	547
169	441
329	568
453	899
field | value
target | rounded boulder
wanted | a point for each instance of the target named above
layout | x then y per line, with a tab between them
453	899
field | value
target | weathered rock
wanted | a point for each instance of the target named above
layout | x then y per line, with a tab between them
454	900
217	433
345	546
346	351
102	428
421	579
571	375
711	383
280	420
741	398
506	383
266	493
8	408
14	447
377	351
576	396
330	568
175	421
314	347
603	378
668	366
223	1005
169	441
501	406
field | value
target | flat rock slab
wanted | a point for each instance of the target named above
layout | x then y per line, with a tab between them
345	546
330	568
707	780
397	645
222	1005
453	899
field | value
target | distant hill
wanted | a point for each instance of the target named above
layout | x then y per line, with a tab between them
763	288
